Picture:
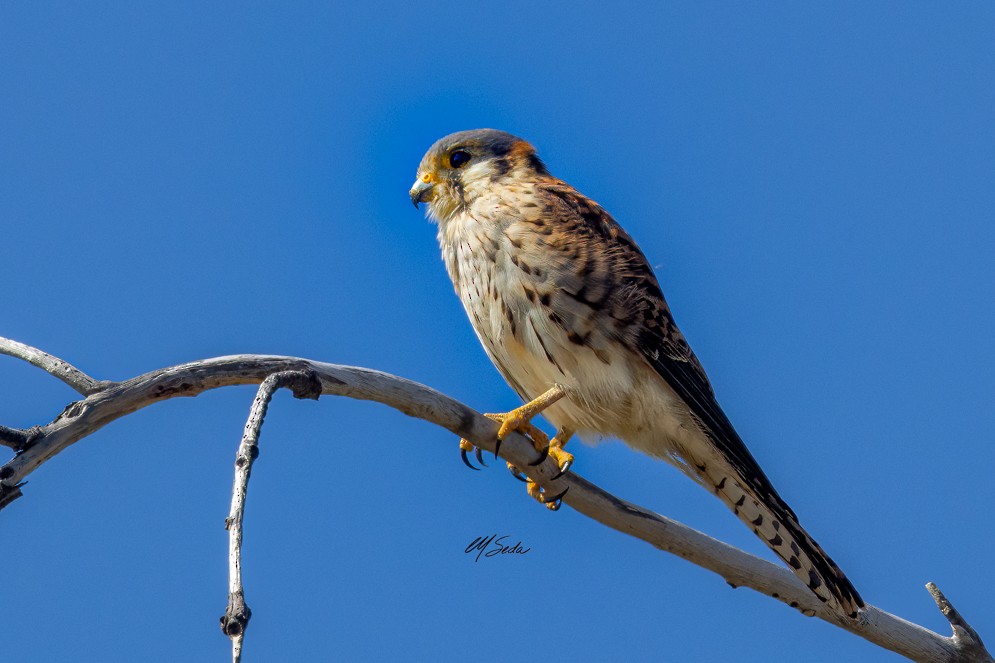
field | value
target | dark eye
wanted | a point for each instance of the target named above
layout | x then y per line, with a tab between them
459	158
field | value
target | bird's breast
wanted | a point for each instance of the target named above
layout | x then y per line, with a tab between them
536	334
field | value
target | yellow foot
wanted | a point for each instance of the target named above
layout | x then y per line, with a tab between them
509	422
520	420
563	460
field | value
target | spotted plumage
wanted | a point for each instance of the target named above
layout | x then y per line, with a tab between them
559	294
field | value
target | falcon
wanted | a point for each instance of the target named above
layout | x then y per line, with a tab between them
570	312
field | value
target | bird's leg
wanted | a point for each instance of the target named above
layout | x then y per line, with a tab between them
520	420
564	459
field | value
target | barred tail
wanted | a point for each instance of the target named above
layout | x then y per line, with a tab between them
776	524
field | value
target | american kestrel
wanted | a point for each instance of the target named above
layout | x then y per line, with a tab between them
570	312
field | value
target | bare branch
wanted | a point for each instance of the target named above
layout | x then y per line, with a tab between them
63	370
968	638
738	568
304	384
18	439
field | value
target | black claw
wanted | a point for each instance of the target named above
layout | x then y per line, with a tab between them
517	473
480	456
543	455
563	470
555	500
497	448
466	461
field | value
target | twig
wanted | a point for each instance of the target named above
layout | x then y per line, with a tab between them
18	439
737	567
61	369
963	632
304	384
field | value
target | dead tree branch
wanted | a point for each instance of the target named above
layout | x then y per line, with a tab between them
105	402
63	370
304	384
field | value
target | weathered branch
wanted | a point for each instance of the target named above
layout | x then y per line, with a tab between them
966	636
304	384
63	370
17	438
114	400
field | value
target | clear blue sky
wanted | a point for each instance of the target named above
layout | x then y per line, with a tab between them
814	182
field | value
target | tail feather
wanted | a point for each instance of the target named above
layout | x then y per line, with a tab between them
776	524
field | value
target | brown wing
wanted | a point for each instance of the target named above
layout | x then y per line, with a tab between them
648	328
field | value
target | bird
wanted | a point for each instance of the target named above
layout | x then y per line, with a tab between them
572	315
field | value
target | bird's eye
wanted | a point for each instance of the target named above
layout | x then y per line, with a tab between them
459	158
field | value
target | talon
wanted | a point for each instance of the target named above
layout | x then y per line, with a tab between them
466	461
497	447
480	456
563	470
543	454
553	503
517	473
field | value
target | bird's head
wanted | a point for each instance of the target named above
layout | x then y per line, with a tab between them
460	167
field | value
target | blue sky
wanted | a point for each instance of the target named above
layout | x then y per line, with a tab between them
813	182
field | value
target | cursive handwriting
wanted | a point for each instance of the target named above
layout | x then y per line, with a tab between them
497	547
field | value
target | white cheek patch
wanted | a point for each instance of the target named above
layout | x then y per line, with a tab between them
477	180
481	170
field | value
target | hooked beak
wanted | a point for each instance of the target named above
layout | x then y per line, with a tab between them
422	191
